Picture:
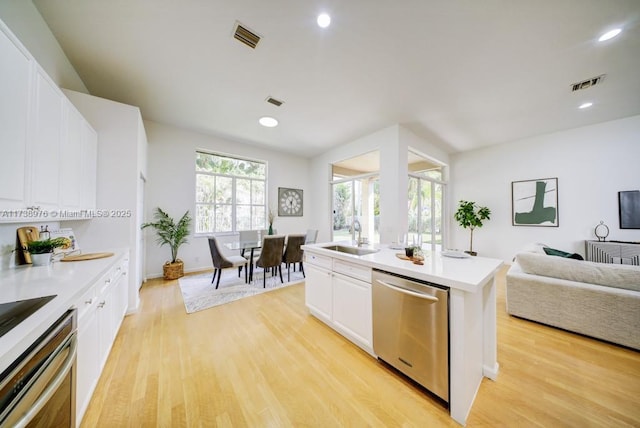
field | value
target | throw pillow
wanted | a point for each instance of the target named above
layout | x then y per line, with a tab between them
559	253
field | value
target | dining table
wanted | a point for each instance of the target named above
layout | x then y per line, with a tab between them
243	246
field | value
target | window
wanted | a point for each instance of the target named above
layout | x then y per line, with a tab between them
230	193
425	207
356	197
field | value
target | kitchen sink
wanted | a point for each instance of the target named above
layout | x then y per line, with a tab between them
356	251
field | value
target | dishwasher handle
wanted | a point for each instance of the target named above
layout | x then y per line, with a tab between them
394	287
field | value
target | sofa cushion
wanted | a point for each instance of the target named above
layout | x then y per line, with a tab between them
611	275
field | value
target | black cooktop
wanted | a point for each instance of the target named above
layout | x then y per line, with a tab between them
13	313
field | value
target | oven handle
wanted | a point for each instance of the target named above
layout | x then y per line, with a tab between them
409	292
53	386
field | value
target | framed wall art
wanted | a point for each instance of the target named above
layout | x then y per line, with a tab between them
535	202
289	202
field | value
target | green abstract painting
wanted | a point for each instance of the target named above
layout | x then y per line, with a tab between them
535	202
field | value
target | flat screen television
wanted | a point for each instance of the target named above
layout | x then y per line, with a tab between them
629	209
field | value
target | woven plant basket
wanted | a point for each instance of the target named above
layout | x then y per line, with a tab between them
173	270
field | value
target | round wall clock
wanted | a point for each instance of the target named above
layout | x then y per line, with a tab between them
289	202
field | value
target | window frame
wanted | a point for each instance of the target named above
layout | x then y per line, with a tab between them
422	178
234	200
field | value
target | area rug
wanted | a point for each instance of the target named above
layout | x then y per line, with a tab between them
199	293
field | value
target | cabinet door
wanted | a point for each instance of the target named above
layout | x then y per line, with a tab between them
15	78
88	361
318	291
352	308
105	321
89	166
45	148
71	159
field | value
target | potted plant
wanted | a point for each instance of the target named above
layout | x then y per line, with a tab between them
172	234
470	215
42	250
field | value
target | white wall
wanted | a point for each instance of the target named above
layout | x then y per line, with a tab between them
592	164
393	143
171	186
24	20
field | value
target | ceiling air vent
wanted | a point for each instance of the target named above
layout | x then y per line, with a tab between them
246	36
275	102
585	84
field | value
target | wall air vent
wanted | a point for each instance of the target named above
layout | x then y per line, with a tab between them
585	84
275	102
246	36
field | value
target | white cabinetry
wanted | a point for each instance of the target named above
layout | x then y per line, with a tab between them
43	139
318	291
100	313
89	166
339	293
46	144
15	87
71	159
88	361
352	309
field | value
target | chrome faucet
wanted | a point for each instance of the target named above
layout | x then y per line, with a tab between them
358	228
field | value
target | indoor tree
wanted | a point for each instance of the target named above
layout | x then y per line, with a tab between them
470	215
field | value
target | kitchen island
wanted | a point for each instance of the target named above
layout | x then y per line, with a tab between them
338	292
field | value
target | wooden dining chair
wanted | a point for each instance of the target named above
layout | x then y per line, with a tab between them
271	256
220	261
293	254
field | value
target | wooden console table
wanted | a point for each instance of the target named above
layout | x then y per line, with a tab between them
627	253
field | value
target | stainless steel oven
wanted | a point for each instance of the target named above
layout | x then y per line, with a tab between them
38	389
411	329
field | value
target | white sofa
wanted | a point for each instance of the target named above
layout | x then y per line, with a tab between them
595	299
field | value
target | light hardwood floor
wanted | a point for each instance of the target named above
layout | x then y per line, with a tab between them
263	361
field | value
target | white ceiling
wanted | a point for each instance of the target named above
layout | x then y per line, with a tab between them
460	73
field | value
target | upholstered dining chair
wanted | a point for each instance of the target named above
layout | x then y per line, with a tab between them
271	256
220	261
249	236
293	254
312	235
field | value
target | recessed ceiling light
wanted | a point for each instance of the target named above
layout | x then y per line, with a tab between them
585	105
324	20
609	35
269	122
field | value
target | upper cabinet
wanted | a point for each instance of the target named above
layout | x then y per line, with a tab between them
49	150
15	87
44	152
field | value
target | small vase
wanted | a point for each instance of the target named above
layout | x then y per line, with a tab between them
270	230
41	259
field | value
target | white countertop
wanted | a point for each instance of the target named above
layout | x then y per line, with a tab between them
466	274
67	280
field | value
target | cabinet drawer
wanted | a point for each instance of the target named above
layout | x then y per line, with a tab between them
318	260
362	273
85	302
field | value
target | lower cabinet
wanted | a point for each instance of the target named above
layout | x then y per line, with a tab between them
337	293
319	291
100	313
352	309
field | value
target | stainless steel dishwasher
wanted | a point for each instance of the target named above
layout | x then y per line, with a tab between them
411	329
